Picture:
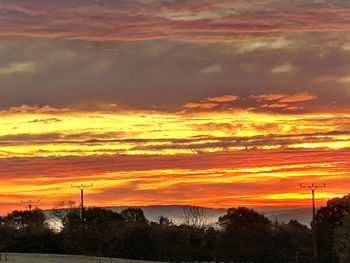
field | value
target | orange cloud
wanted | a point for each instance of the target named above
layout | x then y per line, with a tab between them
279	103
226	98
207	104
268	97
274	105
284	98
202	106
298	98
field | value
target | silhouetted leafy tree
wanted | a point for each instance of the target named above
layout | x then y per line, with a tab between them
292	242
30	232
247	235
62	209
136	241
132	214
164	221
342	240
35	219
72	233
168	241
211	244
7	232
102	227
329	218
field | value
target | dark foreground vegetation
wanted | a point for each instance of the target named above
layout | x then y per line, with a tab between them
244	236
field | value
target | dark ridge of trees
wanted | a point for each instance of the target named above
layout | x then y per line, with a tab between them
244	236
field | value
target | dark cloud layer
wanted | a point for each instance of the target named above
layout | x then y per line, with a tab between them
195	144
164	75
176	21
164	54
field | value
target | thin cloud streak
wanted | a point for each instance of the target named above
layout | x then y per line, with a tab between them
123	21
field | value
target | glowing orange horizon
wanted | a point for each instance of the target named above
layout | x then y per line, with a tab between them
214	159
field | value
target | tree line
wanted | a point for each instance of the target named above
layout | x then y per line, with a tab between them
243	235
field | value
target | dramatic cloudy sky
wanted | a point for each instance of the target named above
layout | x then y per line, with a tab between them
208	102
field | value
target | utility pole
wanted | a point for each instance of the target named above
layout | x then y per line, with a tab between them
82	187
29	203
313	188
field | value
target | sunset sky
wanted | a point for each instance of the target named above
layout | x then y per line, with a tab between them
217	103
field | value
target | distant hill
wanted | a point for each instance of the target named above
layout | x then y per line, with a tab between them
175	213
284	214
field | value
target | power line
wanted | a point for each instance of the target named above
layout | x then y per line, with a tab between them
29	203
313	188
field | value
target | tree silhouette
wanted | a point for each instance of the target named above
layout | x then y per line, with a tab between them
195	216
247	235
135	215
328	218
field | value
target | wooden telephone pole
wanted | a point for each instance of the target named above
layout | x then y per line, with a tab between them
313	188
82	187
29	203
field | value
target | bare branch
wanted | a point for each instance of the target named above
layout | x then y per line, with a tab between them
195	216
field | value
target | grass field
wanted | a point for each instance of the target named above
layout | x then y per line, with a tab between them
51	258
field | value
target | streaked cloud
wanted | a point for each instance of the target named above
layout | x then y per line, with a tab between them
284	98
204	106
268	97
213	179
226	98
282	103
251	46
177	21
19	67
236	158
202	129
345	79
34	109
298	98
285	68
211	69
